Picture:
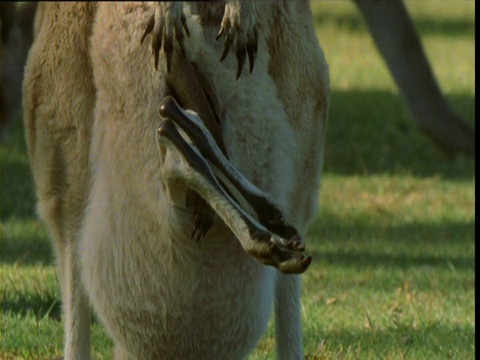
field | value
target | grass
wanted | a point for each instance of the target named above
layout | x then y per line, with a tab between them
393	275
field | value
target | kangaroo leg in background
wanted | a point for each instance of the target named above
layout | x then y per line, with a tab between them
398	42
16	22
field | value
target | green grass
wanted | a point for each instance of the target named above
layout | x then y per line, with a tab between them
393	244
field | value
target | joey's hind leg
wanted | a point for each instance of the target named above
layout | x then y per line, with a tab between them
188	164
267	213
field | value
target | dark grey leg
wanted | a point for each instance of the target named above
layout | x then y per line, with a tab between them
268	248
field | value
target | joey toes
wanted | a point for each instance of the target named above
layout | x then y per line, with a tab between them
286	255
238	28
204	216
167	26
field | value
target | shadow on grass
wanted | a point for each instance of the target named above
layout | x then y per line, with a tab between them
17	192
46	305
364	259
424	25
372	132
437	338
449	245
40	305
31	250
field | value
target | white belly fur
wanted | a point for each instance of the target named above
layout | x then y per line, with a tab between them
156	290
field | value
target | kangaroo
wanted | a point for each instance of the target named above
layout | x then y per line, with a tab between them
117	141
16	32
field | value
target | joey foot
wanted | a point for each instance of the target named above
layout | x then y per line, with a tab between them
239	24
167	21
192	165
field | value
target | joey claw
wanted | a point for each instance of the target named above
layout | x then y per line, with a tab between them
203	216
252	48
198	231
179	33
241	53
220	33
238	26
241	61
194	231
299	247
227	46
156	46
183	20
306	262
179	37
295	244
166	23
168	48
148	29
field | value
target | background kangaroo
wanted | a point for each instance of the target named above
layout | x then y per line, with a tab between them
106	191
16	36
